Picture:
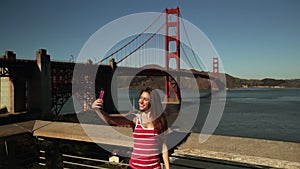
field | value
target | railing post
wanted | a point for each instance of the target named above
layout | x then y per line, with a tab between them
3	155
10	154
53	155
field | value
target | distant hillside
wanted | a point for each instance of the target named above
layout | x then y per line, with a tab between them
232	82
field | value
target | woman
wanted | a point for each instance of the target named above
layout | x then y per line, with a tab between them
148	135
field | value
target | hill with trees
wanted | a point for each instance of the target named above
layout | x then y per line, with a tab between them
231	82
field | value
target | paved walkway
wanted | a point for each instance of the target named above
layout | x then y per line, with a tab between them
186	162
245	150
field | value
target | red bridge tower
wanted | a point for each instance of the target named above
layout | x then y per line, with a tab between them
215	72
172	48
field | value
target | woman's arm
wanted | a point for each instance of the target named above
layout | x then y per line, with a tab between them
112	120
97	106
165	155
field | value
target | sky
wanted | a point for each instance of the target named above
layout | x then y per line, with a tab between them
255	39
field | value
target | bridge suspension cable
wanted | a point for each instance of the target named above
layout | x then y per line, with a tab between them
182	46
190	45
131	41
142	44
193	64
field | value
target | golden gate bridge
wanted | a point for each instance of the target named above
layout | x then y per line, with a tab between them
32	84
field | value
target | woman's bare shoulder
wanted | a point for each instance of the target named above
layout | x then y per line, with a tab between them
134	119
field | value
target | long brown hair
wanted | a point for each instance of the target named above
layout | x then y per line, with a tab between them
156	110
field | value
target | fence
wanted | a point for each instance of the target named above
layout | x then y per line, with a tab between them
43	144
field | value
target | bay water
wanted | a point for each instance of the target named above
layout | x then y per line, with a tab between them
262	113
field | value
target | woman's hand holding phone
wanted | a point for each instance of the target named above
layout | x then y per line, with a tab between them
98	104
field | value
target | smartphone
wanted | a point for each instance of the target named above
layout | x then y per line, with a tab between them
101	94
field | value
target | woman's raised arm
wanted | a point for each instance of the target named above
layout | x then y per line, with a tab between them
111	120
97	106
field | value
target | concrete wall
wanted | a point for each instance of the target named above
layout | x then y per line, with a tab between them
7	88
7	94
31	90
27	91
13	94
20	95
33	95
39	85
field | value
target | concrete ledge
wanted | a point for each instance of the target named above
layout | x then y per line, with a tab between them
117	136
246	150
11	130
241	158
236	149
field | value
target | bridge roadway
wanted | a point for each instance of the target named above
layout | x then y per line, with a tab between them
20	68
159	71
53	82
217	152
26	67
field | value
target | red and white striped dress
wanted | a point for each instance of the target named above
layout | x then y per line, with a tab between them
145	152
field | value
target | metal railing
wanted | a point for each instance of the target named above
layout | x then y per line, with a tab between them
56	153
20	148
